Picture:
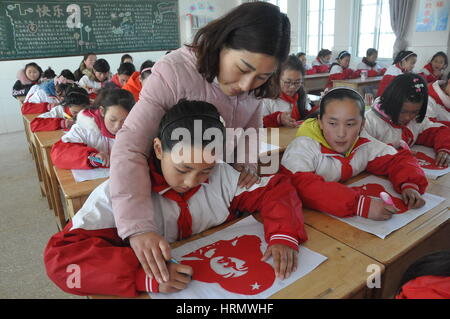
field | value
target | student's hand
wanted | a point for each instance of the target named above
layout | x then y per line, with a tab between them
248	176
285	259
179	277
379	211
104	157
412	198
68	123
442	159
152	251
287	120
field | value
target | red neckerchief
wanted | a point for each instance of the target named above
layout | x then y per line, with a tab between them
67	111
432	92
100	121
115	80
407	135
346	168
292	100
429	67
159	184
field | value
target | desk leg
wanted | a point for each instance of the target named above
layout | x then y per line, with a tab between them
27	134
74	205
44	177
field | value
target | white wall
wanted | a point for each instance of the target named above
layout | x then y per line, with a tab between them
10	116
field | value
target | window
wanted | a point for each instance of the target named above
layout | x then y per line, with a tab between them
375	29
281	3
320	26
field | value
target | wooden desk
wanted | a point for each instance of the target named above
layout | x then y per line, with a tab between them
358	84
443	181
280	137
27	118
316	82
342	275
45	141
426	234
75	193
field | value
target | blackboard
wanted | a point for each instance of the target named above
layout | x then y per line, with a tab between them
50	28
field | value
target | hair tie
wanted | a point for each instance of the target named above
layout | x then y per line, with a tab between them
407	56
343	53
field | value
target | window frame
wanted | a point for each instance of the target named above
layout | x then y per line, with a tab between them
356	31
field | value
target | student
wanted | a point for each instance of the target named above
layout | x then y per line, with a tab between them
94	132
308	67
87	64
333	148
48	74
26	78
439	101
427	278
189	197
233	62
434	71
64	115
284	111
322	62
43	97
404	62
96	79
399	115
126	58
124	72
134	83
369	63
340	69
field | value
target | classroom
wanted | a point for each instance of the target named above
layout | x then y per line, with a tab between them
225	149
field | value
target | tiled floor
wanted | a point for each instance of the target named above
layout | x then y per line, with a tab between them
26	224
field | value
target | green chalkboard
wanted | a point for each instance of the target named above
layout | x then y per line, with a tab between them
49	28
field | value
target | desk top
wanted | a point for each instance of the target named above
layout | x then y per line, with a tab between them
317	75
282	139
72	189
342	275
360	81
30	117
397	243
47	139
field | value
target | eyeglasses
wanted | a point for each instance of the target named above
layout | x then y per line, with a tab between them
292	83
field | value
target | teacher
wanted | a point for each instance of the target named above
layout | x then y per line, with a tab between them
232	63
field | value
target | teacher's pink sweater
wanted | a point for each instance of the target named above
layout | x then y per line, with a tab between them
174	77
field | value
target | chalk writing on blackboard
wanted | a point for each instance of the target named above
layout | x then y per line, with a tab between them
60	28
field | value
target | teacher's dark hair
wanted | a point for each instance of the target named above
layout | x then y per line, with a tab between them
257	27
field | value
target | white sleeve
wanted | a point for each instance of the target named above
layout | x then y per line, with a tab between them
336	69
77	134
301	155
56	112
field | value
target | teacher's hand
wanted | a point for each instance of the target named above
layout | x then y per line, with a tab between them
248	176
152	251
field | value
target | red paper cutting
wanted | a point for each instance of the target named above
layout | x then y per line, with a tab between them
427	162
234	264
374	190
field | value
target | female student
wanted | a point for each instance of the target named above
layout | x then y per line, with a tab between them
96	79
308	67
87	64
124	72
427	278
26	78
369	63
333	148
439	101
189	197
43	97
434	71
89	142
284	111
340	69
399	115
64	115
404	62
126	58
322	62
233	62
134	83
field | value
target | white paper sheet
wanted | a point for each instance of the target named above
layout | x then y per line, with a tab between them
308	260
81	175
382	229
430	173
